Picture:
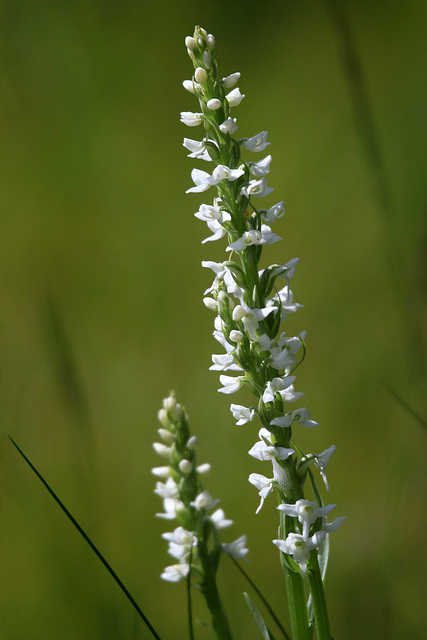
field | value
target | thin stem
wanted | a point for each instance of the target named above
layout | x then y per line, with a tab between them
189	602
209	589
319	601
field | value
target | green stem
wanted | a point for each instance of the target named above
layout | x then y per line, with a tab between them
297	604
209	589
319	601
218	618
297	599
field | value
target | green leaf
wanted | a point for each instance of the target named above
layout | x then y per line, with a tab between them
90	543
266	634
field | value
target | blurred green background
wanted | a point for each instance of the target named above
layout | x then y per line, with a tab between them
101	312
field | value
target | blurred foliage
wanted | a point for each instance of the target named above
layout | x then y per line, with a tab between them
101	313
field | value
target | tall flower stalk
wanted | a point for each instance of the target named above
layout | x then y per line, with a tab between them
250	307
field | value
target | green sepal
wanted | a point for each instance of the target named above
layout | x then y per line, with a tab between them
253	253
274	321
189	486
303	467
213	150
244	355
264	414
224	309
243	206
287	560
265	632
269	276
271	410
234	154
238	273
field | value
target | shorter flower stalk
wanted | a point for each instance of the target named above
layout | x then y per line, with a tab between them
195	543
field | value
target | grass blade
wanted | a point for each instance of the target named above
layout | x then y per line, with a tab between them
90	543
412	322
407	407
67	373
263	600
266	634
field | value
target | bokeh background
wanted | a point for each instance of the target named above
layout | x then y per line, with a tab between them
101	312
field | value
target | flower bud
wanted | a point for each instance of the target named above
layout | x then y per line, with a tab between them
178	411
190	86
166	435
190	43
185	466
192	443
161	472
169	403
207	59
236	336
210	42
238	313
218	324
161	449
213	104
210	304
200	75
204	468
230	80
163	417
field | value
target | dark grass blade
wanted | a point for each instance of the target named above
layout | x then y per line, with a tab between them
90	543
265	632
263	600
407	407
68	375
363	111
412	322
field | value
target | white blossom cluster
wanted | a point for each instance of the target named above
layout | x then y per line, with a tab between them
248	303
185	500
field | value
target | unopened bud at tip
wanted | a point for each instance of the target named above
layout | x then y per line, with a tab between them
190	43
169	403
